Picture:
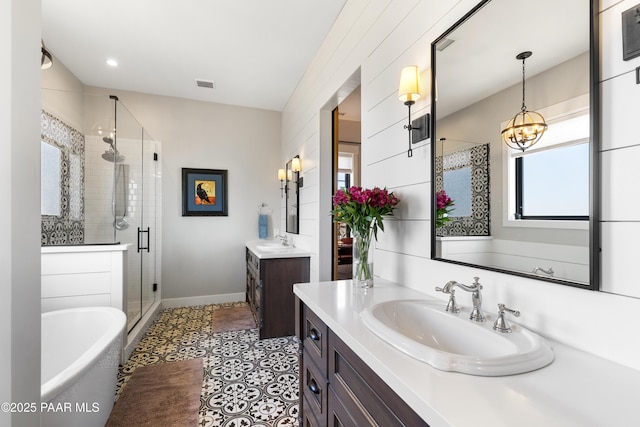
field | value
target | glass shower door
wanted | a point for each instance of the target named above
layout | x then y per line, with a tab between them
149	231
127	204
134	211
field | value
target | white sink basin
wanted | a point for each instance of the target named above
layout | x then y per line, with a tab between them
272	246
266	242
452	342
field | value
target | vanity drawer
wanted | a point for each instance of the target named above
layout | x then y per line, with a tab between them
253	262
309	418
314	390
338	415
315	338
366	398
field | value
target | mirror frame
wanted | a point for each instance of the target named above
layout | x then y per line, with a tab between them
292	186
594	155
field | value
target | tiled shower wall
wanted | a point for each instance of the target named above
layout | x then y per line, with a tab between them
98	185
68	228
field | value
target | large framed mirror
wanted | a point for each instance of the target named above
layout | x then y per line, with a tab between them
531	212
293	199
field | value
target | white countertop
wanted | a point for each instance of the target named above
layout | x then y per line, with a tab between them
577	389
284	252
106	247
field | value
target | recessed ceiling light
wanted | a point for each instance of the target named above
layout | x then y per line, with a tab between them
112	62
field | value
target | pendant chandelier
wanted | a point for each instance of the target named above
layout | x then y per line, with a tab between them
526	127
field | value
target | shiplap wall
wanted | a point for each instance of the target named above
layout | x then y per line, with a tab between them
620	198
369	44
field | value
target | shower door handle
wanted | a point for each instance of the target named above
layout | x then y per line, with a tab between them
140	233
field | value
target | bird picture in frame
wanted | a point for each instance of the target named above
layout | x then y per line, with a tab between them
205	193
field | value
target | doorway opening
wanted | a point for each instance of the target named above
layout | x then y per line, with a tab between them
346	173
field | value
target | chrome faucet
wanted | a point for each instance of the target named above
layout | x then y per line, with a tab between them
476	298
283	239
501	324
452	306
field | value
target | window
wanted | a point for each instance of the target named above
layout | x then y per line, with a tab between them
553	184
50	183
457	185
344	180
550	181
345	170
346	177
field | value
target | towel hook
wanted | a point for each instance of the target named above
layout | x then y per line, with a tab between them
264	209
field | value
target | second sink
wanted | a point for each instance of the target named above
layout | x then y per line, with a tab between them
451	342
272	246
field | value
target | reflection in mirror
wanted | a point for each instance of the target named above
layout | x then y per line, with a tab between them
520	212
462	173
50	185
291	189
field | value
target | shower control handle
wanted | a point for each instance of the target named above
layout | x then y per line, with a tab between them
140	233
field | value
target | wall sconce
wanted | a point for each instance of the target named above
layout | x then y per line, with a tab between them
296	166
45	60
526	127
409	92
282	176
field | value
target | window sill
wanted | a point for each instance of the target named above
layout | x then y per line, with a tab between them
527	223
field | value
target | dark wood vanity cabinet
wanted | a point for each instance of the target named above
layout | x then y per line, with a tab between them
313	334
269	292
337	388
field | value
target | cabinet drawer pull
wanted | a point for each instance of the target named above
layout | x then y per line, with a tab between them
313	386
314	335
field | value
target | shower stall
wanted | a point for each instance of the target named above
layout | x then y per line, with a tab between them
109	186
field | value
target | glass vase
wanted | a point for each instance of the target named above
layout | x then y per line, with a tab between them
362	260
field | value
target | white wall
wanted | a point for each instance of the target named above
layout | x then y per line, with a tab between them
379	38
620	205
205	255
20	235
350	131
62	95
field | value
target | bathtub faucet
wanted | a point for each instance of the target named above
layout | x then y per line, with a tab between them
476	298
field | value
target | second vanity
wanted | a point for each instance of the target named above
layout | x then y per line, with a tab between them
349	375
272	269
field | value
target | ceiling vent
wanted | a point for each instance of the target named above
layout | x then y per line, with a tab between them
206	83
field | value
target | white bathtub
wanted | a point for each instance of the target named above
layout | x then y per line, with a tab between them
81	350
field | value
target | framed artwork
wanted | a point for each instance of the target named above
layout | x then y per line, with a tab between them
204	192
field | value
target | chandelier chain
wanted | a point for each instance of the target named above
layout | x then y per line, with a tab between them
523	108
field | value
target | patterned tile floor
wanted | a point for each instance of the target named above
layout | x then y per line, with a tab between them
247	381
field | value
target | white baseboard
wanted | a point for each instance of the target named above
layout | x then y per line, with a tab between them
202	300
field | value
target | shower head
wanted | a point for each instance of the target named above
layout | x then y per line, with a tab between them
120	224
112	155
